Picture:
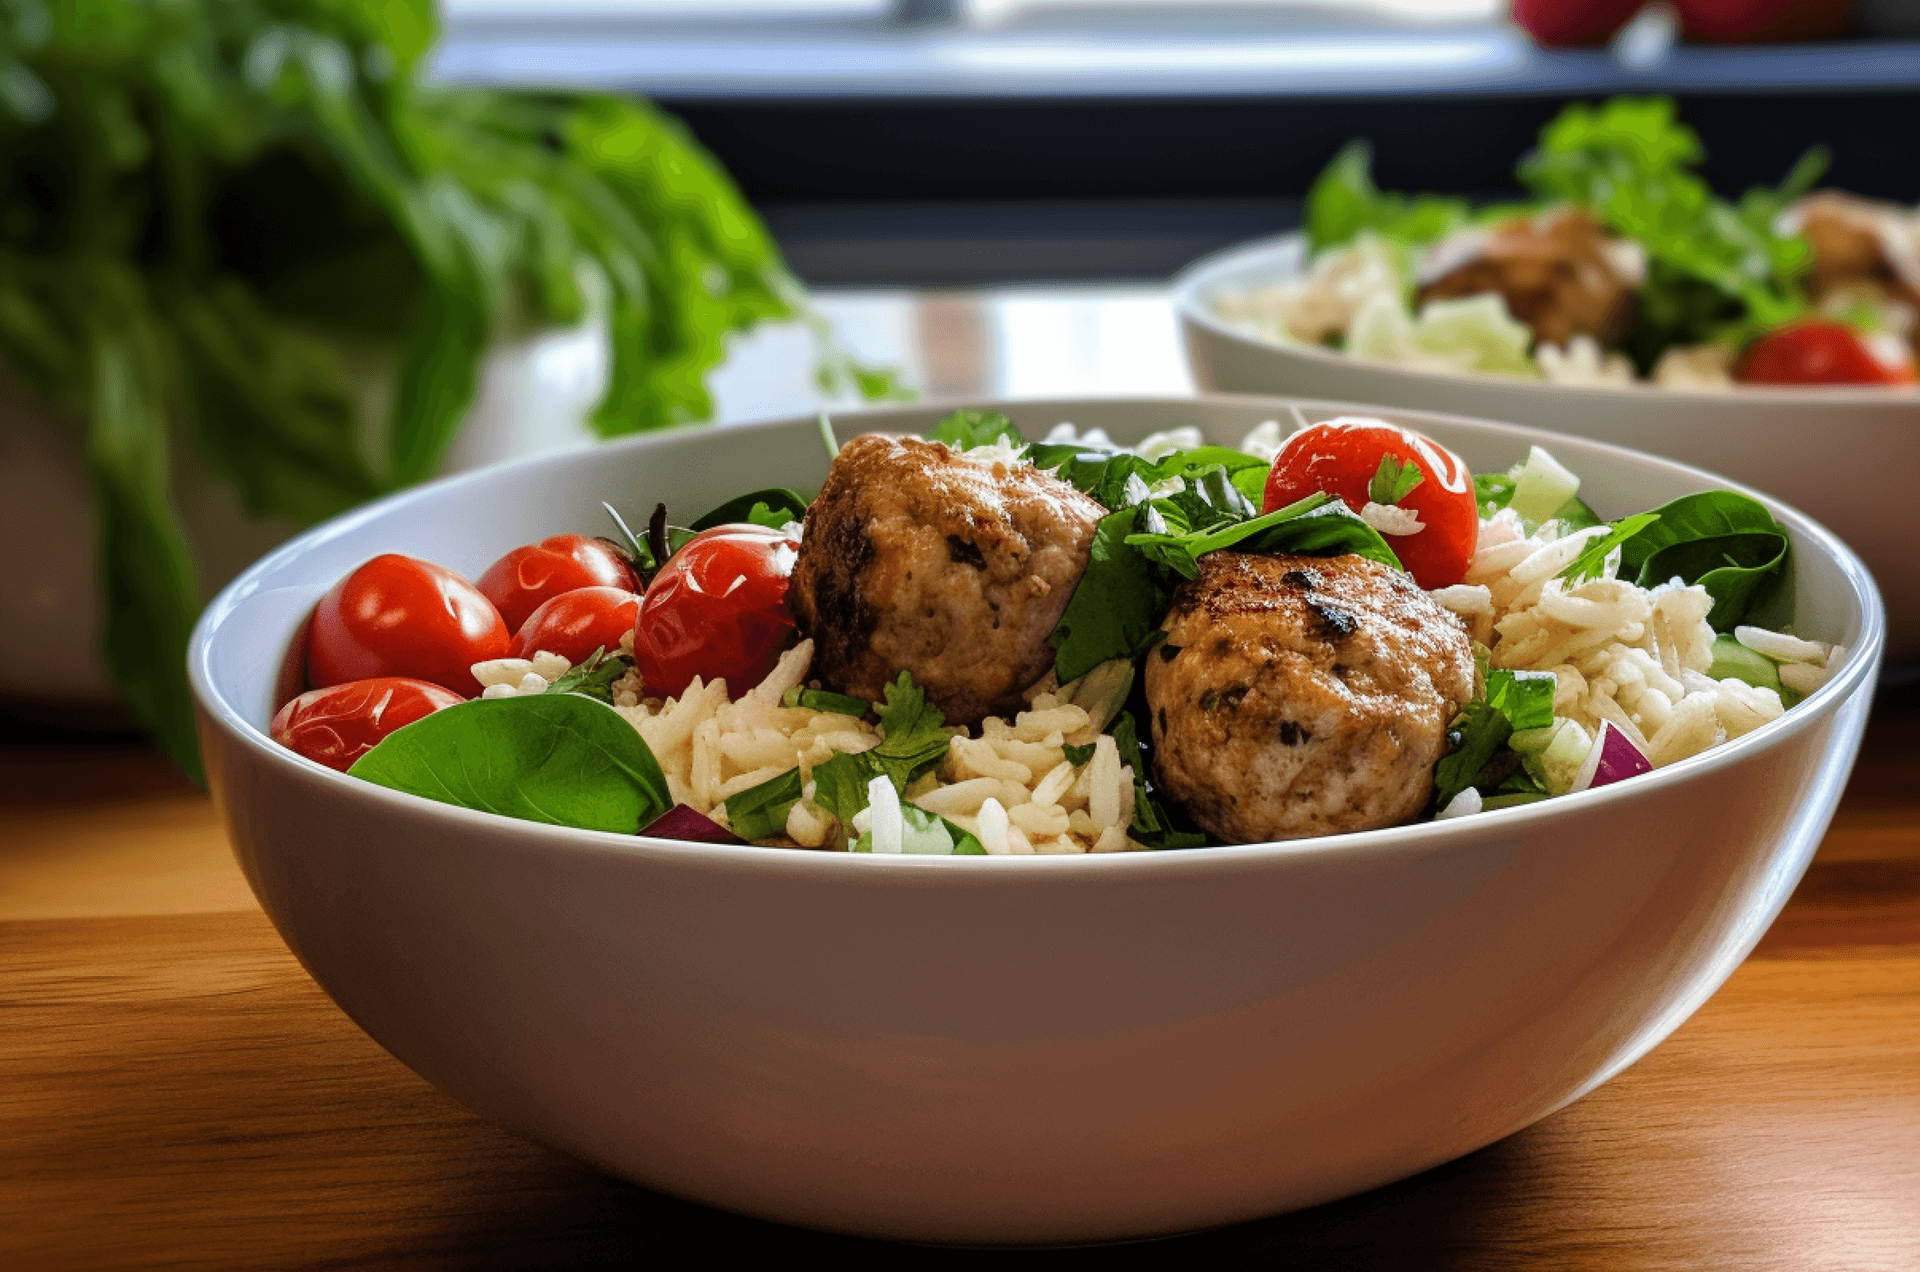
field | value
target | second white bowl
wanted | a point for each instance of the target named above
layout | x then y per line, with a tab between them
1850	458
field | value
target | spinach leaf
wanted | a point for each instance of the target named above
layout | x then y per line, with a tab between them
773	507
1154	825
1318	525
760	812
562	759
1115	610
1725	542
966	429
1344	201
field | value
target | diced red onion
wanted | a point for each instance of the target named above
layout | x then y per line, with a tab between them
682	822
1611	759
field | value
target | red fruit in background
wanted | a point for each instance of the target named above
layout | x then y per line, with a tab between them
1573	23
533	574
717	609
337	725
400	616
574	624
1821	353
1763	21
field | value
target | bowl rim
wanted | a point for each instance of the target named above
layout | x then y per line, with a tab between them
1187	286
1413	839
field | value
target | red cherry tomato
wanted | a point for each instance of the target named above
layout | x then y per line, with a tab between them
1764	21
1820	353
529	576
1572	23
574	624
717	609
398	616
337	725
1341	457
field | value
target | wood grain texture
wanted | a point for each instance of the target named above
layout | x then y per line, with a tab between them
176	1092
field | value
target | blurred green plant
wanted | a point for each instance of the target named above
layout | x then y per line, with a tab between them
209	208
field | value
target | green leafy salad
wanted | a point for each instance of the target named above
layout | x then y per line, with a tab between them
1526	647
1621	265
221	219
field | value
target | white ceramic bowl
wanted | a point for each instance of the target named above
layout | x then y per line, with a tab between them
1845	456
1010	1049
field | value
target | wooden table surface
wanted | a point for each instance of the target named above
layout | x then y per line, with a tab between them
175	1091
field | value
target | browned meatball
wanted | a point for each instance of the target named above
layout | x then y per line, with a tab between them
1303	695
1859	242
1560	273
915	558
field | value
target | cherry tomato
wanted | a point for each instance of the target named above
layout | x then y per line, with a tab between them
337	725
398	616
1821	353
1341	458
574	624
529	576
1763	21
717	609
1571	23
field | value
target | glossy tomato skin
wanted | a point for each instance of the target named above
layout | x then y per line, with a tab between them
717	609
400	616
531	575
337	725
1573	23
1340	457
1819	353
574	624
1763	21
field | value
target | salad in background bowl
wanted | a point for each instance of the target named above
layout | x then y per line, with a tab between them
1623	268
1724	281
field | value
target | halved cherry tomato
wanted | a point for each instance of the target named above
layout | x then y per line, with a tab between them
1817	352
574	624
717	609
529	576
1341	457
400	616
337	725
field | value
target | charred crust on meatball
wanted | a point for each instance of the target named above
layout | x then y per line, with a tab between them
918	558
1312	697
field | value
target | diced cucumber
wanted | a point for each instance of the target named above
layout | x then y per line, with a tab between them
1734	661
1542	487
1558	758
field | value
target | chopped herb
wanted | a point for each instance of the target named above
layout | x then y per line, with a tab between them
966	429
593	678
1318	525
1592	560
1394	480
915	740
1078	755
824	700
1477	740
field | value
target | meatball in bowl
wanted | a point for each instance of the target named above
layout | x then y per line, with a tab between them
1073	1046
